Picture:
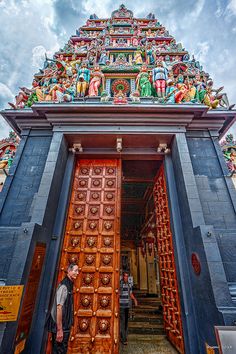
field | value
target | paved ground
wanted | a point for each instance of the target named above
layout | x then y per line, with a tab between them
147	344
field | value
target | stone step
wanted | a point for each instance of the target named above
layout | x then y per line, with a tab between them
146	344
145	304
147	324
150	302
146	331
146	310
145	319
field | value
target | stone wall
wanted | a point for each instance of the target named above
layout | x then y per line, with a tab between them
206	206
25	175
217	195
29	204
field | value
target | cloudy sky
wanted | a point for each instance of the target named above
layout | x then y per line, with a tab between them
29	28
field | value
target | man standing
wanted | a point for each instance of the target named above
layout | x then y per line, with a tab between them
62	313
126	297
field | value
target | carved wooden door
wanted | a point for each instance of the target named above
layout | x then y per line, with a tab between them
167	268
92	240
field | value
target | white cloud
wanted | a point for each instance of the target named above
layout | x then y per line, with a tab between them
100	8
232	7
38	56
5	96
202	51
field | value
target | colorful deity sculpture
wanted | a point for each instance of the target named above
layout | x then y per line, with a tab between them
96	81
159	78
220	96
105	97
8	148
170	92
135	96
138	57
21	98
229	150
143	83
120	98
182	89
150	55
104	58
83	78
209	98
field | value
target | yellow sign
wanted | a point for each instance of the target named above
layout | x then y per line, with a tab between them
209	349
10	297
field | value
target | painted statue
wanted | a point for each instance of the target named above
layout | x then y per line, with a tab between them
150	56
21	98
159	78
190	95
83	77
182	89
96	81
120	98
105	97
27	97
170	91
138	57
220	96
135	96
210	99
143	83
103	58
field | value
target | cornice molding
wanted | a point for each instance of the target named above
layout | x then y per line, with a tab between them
48	115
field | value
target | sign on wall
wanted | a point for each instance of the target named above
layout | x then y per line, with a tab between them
30	297
10	297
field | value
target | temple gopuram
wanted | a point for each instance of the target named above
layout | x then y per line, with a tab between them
119	168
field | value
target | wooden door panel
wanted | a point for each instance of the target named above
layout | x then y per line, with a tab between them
92	240
167	268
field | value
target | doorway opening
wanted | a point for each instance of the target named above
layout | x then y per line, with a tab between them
143	220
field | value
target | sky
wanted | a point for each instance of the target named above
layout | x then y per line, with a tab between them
31	28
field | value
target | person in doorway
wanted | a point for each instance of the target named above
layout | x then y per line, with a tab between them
62	314
126	297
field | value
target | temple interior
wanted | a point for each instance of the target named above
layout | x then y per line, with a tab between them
138	227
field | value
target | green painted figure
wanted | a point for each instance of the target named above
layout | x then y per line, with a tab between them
143	83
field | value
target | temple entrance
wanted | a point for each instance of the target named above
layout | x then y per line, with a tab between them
103	194
147	255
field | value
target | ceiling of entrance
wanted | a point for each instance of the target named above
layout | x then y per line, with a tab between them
107	141
137	183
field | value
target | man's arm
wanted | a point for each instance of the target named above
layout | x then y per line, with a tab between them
61	298
134	299
59	337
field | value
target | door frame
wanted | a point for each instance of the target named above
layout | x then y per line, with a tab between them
189	325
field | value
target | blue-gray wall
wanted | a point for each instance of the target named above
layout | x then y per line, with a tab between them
30	159
206	202
29	205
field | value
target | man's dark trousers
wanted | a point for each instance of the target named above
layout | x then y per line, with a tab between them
124	317
60	347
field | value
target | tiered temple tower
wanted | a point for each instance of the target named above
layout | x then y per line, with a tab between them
121	93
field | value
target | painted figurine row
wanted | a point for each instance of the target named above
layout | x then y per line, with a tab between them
98	43
65	84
